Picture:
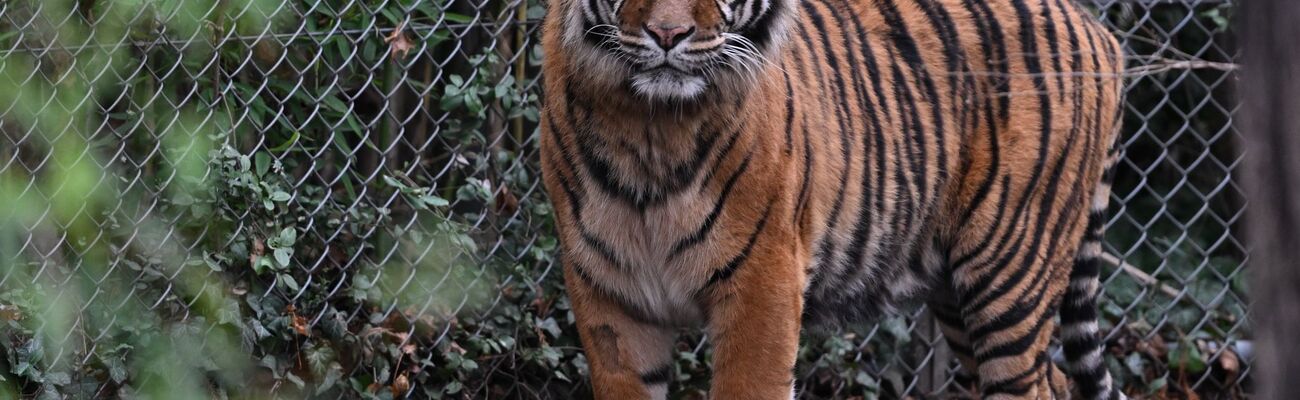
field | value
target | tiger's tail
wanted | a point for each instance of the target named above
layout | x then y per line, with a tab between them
1080	335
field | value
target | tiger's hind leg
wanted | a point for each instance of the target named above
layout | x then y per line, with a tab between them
1009	279
1006	327
947	312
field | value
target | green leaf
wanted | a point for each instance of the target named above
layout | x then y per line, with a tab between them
289	282
288	236
116	369
395	183
262	265
453	387
1187	357
458	18
295	379
1135	364
262	162
334	104
1155	385
331	379
434	201
550	326
58	378
282	256
285	146
865	379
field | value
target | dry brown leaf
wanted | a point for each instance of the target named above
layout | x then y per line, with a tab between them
1154	347
259	249
10	313
300	324
400	386
399	44
1230	363
1188	392
266	52
506	201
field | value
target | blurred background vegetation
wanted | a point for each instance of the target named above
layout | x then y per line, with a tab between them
340	199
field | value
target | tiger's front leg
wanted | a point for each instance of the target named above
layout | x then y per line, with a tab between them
754	322
629	359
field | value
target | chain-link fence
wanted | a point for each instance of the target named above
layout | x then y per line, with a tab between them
340	198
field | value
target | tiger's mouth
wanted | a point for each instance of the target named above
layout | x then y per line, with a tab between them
667	82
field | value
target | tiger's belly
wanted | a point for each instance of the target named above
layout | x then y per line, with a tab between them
843	292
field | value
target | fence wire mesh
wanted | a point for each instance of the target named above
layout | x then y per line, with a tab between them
340	199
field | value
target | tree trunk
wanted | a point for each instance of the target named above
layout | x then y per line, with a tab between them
1270	124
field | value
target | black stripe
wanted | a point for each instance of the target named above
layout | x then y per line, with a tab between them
1023	307
722	156
1000	212
760	30
1015	385
1053	51
799	212
1013	348
709	221
729	269
789	113
1044	208
951	318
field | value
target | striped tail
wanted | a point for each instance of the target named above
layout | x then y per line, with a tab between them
1080	336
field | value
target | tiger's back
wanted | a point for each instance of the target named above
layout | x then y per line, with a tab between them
862	154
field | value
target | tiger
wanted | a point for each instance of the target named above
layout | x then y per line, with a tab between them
761	168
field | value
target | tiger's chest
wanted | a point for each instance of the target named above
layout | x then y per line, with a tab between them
655	259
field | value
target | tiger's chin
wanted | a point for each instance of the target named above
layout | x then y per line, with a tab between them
668	84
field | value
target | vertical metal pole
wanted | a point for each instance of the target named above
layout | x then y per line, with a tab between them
1271	128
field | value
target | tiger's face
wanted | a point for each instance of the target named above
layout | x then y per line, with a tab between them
675	50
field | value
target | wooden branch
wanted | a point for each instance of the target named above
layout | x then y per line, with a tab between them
1140	275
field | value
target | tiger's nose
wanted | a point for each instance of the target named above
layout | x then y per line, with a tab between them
669	35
